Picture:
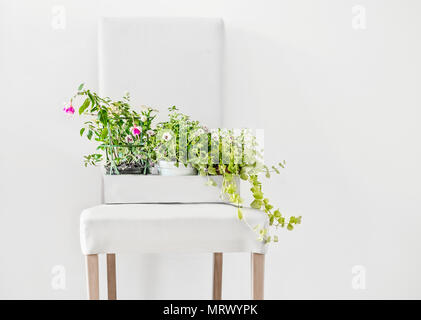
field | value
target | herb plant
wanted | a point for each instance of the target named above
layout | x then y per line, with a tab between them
175	137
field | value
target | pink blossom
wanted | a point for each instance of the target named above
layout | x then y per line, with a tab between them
136	130
69	109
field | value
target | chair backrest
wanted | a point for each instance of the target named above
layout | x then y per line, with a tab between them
164	62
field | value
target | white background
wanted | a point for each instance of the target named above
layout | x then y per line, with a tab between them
342	106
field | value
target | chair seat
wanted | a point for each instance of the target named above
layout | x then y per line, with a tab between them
144	228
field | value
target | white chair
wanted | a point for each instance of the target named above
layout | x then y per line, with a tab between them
169	228
165	62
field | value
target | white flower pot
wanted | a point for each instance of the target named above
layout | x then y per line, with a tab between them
168	168
161	189
153	170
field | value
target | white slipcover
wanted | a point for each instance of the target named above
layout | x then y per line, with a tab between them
164	228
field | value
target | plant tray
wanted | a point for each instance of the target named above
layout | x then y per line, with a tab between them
161	189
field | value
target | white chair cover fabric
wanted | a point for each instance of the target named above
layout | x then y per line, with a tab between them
164	62
164	228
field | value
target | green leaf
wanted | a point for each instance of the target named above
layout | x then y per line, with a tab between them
281	221
258	195
240	214
244	176
92	98
212	170
268	207
104	133
267	172
82	131
211	182
80	87
103	117
89	135
256	204
84	106
290	227
231	188
254	189
275	239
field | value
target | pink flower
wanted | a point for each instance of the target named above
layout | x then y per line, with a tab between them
69	109
136	130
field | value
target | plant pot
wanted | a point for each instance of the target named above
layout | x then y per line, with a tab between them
169	168
161	189
127	169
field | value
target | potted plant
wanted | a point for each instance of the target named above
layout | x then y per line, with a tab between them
237	156
225	157
174	143
129	146
126	138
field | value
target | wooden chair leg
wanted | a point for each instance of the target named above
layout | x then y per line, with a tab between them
258	271
111	277
93	276
217	275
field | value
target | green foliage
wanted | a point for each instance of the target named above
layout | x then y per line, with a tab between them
233	155
84	106
110	124
239	158
92	159
177	138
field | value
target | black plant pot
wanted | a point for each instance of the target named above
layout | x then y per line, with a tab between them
127	169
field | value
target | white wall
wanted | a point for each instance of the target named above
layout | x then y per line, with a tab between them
340	105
